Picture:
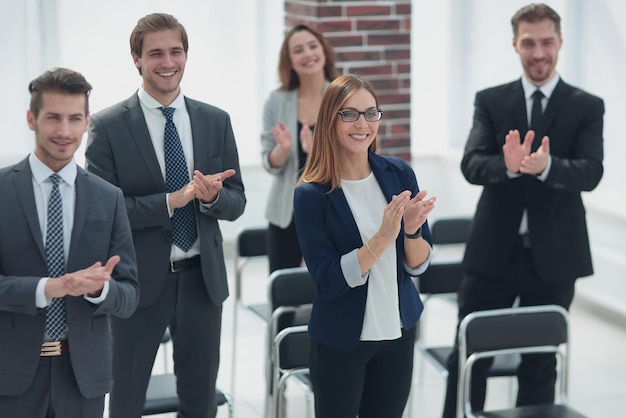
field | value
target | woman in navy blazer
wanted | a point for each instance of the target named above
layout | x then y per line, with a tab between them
361	222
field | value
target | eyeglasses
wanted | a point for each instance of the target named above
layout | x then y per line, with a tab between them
372	115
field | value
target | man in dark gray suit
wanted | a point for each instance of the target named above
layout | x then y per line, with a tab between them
181	268
59	224
535	145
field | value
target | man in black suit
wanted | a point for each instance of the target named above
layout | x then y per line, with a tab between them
175	226
66	263
529	236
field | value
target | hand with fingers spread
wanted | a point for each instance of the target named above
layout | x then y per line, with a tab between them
515	151
536	162
416	211
207	187
306	137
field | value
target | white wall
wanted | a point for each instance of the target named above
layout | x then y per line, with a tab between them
233	53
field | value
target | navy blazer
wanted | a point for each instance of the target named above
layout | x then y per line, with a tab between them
327	230
573	120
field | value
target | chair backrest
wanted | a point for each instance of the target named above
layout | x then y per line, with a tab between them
290	287
250	242
520	330
450	230
444	275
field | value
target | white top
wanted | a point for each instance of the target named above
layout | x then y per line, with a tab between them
382	313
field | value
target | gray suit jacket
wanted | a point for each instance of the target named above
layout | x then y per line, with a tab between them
280	106
100	230
120	150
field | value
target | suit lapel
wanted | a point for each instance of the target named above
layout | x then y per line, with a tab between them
556	102
83	199
139	130
24	190
199	133
519	105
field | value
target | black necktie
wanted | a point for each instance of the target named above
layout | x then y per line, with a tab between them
536	112
55	259
184	230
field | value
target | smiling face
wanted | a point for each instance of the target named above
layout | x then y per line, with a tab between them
538	45
356	137
162	64
59	127
306	54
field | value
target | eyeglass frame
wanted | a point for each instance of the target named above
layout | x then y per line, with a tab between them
379	112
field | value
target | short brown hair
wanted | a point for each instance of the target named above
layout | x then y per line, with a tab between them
289	80
60	80
533	13
322	166
155	22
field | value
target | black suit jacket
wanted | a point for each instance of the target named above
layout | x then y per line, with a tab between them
120	150
100	230
573	120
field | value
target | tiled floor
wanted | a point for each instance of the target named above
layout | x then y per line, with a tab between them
597	369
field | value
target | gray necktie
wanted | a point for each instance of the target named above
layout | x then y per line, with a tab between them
55	259
184	230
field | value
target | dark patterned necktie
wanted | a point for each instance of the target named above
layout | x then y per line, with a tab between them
55	259
177	176
536	112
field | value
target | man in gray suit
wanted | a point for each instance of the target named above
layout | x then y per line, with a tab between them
62	367
181	269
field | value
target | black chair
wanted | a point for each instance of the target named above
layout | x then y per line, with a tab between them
161	396
290	294
522	330
290	360
250	243
441	280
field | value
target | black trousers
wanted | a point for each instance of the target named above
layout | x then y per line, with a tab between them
283	248
53	393
536	374
371	381
195	326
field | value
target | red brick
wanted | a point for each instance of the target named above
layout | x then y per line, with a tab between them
325	26
361	55
393	54
385	84
368	10
347	40
378	24
395	39
300	8
398	128
329	11
403	68
371	70
394	98
403	9
396	113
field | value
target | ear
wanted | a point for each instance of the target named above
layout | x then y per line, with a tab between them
136	60
30	119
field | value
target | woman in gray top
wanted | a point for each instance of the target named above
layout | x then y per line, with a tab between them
306	66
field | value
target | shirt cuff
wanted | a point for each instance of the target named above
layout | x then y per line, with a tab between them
206	206
544	175
41	301
416	271
351	269
101	298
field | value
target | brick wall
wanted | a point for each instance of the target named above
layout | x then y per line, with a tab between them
372	39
